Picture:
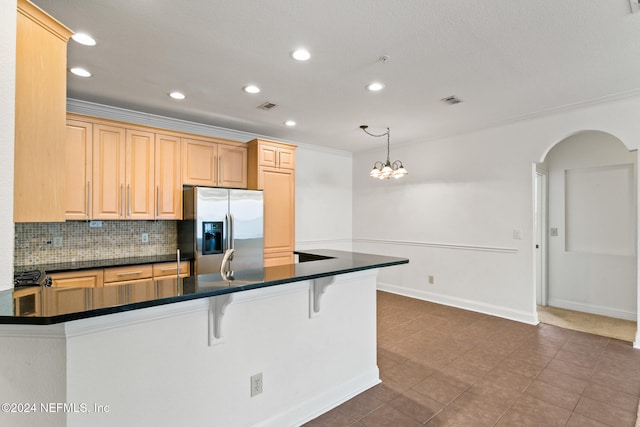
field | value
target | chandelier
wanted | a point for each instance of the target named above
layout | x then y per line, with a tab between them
386	170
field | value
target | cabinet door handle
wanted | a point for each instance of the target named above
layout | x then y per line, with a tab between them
122	207
219	170
157	201
127	273
89	200
128	200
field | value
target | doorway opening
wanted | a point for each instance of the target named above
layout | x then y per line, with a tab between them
585	227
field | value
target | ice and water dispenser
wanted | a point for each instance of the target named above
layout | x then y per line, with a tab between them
212	232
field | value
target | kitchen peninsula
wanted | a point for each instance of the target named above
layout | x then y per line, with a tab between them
275	346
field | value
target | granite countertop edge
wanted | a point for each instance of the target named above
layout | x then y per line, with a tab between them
324	263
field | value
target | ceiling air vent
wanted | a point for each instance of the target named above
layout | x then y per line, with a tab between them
451	100
266	106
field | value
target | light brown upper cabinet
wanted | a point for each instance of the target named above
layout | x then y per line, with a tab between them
40	106
79	170
115	172
168	179
272	169
276	155
108	194
140	189
214	164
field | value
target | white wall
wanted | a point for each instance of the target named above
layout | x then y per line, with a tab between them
323	199
7	120
455	214
592	260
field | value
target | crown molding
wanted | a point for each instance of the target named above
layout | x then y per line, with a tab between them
146	119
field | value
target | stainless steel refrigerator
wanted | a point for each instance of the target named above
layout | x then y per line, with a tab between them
219	225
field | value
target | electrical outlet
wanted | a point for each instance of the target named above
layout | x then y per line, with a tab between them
517	233
430	279
256	384
57	242
95	224
145	237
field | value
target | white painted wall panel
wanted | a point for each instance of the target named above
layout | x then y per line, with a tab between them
324	199
600	210
7	132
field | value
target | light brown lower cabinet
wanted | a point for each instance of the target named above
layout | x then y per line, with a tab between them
168	270
78	279
144	282
67	300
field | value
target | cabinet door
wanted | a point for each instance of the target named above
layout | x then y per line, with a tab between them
286	158
139	176
279	209
167	177
67	300
168	270
40	108
143	290
118	275
268	155
199	162
78	167
232	165
77	279
108	172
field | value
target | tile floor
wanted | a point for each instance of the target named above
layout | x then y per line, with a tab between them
442	366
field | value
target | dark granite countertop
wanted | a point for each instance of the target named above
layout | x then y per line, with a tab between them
114	299
99	263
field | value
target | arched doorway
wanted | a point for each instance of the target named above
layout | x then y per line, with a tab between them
588	246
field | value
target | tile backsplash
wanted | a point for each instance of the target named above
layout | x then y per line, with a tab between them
115	239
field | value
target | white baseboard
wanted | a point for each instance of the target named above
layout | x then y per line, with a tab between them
318	405
593	309
480	307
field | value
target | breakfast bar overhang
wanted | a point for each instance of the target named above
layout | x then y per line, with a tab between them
190	355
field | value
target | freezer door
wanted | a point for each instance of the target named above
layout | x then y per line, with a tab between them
246	210
211	208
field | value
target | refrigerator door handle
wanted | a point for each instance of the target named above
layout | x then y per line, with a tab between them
226	229
232	232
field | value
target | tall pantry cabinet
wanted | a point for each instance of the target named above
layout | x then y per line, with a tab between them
272	169
40	108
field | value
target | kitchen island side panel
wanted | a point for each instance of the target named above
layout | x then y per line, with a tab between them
161	370
33	377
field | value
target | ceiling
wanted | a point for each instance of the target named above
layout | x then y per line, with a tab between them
505	59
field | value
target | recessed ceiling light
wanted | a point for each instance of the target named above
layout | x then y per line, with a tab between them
301	55
84	38
375	86
251	89
290	123
177	95
80	72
